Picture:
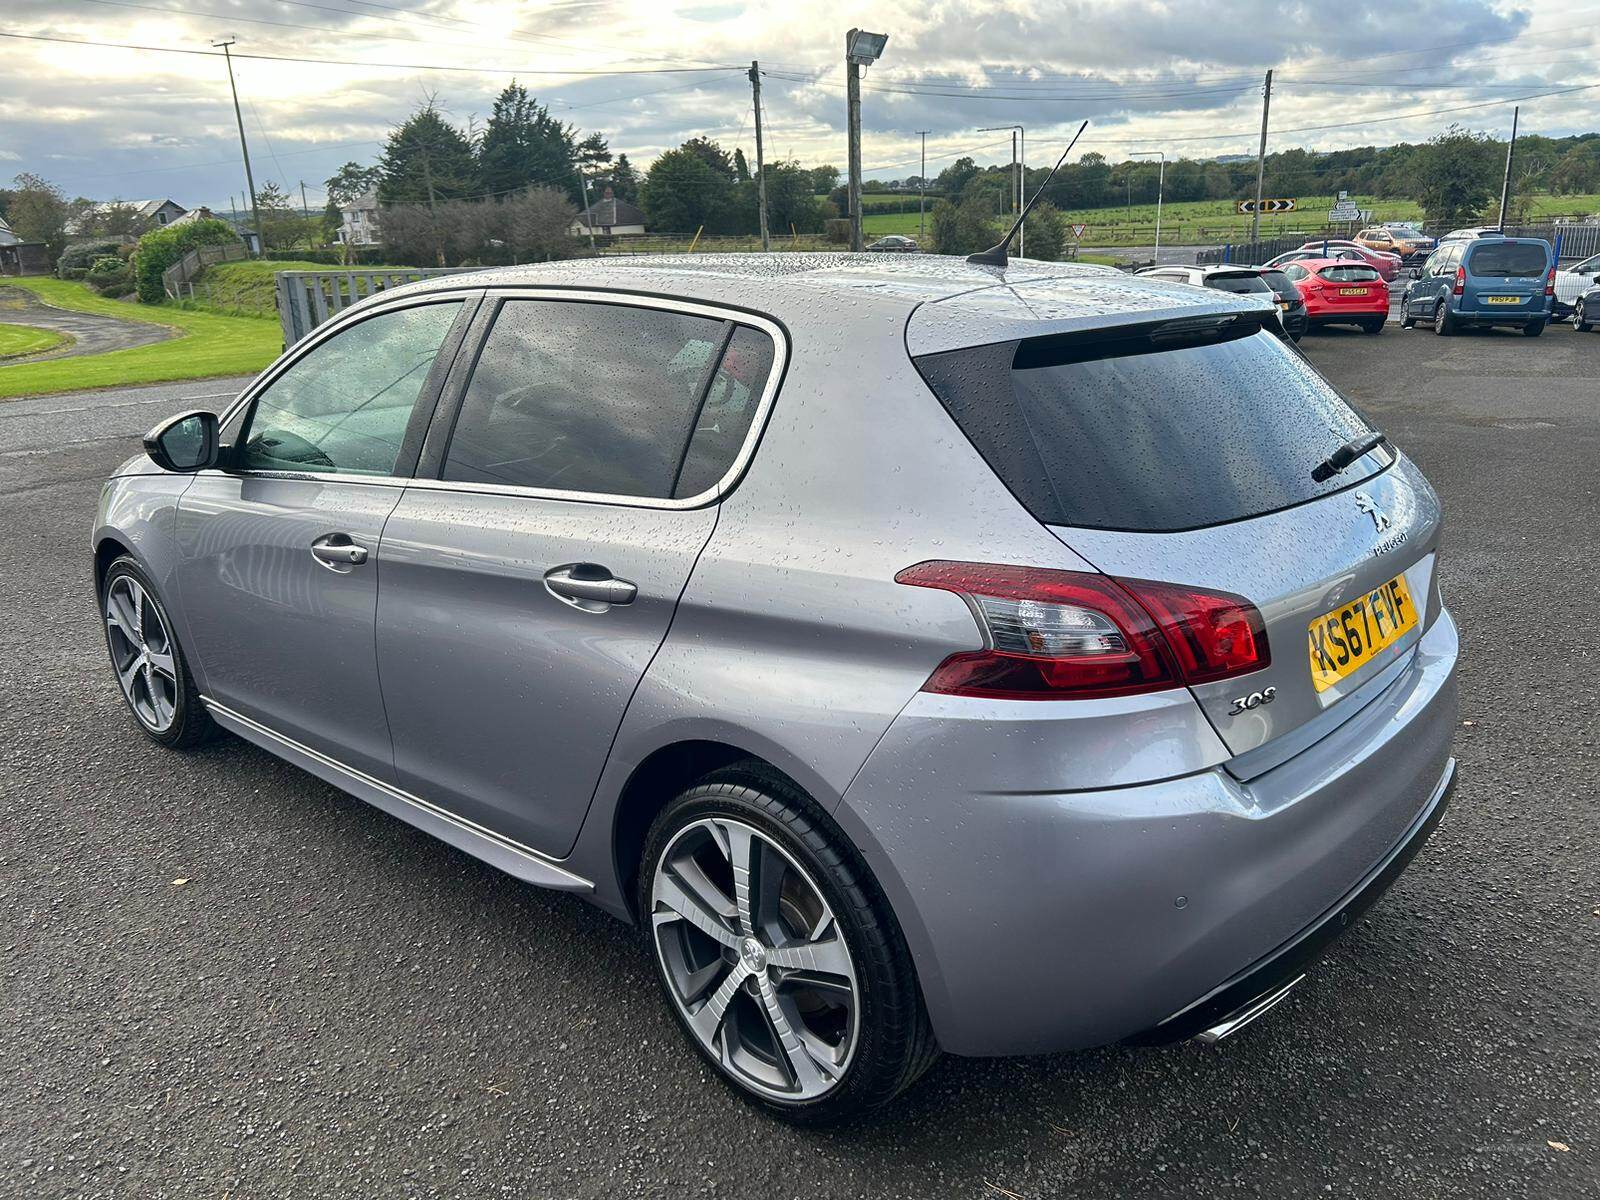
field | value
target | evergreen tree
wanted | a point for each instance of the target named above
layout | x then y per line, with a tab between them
524	146
741	169
684	191
624	179
426	161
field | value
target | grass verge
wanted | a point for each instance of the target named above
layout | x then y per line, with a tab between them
207	344
19	340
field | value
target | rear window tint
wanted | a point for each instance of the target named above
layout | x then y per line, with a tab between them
1349	274
1238	283
1516	260
1127	435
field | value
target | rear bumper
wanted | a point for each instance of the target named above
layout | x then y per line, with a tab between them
1044	920
1268	978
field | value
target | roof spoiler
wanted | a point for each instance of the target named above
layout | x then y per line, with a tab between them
997	256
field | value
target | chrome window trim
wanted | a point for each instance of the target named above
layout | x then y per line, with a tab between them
576	882
501	295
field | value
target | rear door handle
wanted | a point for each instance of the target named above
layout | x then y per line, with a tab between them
338	552
588	587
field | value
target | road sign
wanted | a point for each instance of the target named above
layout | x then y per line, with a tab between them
1345	210
1267	206
1078	231
1343	196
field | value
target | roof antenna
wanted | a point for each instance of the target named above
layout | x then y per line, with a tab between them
996	256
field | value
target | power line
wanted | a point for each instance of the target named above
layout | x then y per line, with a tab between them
389	66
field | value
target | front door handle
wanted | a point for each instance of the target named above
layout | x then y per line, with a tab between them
588	587
338	552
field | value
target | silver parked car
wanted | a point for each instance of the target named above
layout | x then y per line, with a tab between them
923	655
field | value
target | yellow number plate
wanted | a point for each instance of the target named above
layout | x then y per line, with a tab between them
1347	639
1502	299
1352	291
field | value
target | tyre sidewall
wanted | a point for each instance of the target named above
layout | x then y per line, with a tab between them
877	1069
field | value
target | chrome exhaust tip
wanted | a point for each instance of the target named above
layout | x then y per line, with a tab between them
1257	1007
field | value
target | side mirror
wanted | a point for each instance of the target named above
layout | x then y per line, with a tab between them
186	443
1415	272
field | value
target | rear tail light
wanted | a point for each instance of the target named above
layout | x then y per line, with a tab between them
1550	283
1060	635
1461	281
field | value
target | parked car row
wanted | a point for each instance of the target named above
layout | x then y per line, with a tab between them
1307	290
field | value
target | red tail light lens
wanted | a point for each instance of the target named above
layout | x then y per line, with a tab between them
1058	635
1461	281
1550	283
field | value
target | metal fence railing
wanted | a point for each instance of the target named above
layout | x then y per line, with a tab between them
306	299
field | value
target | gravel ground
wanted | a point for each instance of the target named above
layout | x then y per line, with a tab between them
222	978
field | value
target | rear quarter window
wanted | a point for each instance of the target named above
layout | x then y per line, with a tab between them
1124	432
1514	260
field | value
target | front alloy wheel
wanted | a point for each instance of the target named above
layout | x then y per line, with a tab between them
141	652
754	959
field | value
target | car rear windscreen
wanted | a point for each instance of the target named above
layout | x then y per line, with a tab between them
1238	283
1135	432
1349	274
1509	260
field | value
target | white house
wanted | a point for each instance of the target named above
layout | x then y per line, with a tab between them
358	221
610	216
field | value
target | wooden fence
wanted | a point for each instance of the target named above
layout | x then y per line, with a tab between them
175	280
306	299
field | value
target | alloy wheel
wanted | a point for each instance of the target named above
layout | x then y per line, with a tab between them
754	959
142	653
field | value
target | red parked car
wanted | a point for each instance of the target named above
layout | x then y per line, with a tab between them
1386	264
1341	292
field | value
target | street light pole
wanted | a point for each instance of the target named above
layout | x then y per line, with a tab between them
861	49
1161	185
249	179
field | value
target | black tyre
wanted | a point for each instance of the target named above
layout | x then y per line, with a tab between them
1374	326
1443	323
1579	323
147	660
778	954
1407	321
1533	329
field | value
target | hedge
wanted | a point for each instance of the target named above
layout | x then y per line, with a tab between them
76	259
160	248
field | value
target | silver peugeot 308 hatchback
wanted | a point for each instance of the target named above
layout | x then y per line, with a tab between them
922	655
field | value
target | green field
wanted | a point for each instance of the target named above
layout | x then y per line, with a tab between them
1201	222
207	344
19	340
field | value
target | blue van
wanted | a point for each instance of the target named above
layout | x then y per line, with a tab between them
1487	281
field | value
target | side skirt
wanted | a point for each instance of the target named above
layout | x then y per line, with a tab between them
511	857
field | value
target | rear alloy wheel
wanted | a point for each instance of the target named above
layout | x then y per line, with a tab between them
1407	321
148	661
777	952
1443	323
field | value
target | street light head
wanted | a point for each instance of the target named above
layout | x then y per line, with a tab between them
865	48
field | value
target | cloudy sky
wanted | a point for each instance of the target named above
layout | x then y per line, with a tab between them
1183	76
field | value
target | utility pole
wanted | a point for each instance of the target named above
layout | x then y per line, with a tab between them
244	148
305	209
761	169
1261	160
922	184
861	49
1161	187
588	205
1019	199
1505	184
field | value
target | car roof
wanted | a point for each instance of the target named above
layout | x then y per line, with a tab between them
948	302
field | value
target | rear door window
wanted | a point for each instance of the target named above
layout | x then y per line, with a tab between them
1133	432
1510	260
608	399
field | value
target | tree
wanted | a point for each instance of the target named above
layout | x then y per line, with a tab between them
1455	176
351	182
963	228
624	179
426	161
824	179
1045	232
37	211
281	224
713	155
165	245
790	200
684	191
1578	170
524	146
954	177
741	169
539	225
